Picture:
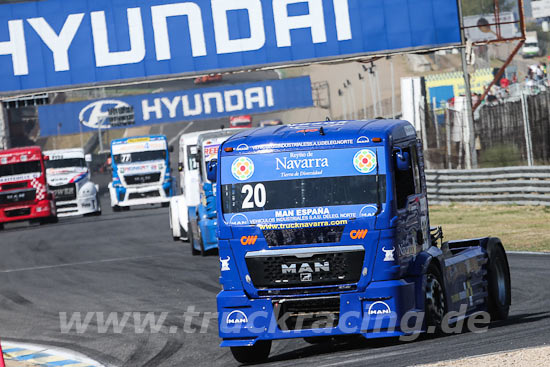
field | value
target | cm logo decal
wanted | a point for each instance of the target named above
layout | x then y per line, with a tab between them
96	113
358	234
248	240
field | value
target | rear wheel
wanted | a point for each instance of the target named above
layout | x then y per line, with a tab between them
192	240
435	305
257	353
498	275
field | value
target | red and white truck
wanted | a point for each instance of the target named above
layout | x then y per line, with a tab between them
24	192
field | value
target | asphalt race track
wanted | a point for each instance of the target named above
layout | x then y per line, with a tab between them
127	262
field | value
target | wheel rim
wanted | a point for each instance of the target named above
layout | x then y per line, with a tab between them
435	299
501	282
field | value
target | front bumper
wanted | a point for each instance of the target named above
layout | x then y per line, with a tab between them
16	213
375	313
80	206
142	195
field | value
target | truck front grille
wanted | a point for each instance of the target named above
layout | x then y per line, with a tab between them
303	236
142	179
143	195
307	313
288	271
14	186
17	196
17	212
64	192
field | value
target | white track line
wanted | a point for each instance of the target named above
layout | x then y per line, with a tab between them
86	263
528	253
181	132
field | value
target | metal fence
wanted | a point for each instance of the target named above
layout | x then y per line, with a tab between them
507	186
511	132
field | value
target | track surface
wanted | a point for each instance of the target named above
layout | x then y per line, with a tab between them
122	262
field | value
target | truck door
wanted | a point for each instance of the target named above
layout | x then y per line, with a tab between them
411	205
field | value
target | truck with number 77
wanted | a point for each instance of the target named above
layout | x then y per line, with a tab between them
324	231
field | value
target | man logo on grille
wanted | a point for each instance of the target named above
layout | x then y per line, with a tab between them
358	234
305	268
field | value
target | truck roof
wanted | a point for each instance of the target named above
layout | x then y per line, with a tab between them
192	137
138	139
13	155
218	134
308	135
73	151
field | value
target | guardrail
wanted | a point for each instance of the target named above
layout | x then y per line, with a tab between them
507	185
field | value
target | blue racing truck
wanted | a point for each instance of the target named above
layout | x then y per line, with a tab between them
203	220
141	172
324	231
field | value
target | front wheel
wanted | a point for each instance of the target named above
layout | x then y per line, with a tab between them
498	274
257	353
192	240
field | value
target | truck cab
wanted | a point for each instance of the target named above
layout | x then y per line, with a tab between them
189	189
531	47
69	179
140	172
324	231
203	220
24	193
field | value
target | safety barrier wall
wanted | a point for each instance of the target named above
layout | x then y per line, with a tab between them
506	186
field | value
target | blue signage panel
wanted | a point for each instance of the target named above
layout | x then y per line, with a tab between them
53	43
186	105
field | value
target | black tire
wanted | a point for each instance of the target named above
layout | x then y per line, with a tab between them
1	227
498	276
165	205
201	243
257	353
435	303
126	208
184	236
117	208
191	240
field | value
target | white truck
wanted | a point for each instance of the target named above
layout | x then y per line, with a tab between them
189	189
141	172
531	48
68	177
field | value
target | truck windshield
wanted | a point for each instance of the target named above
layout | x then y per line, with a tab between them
152	155
66	163
303	185
302	193
20	168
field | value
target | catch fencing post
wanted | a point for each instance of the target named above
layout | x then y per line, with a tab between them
527	129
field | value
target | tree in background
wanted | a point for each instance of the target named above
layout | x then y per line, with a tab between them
478	7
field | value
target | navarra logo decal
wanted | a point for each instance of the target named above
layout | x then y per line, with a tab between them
365	161
242	168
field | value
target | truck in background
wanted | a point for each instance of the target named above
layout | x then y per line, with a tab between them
324	231
70	180
189	188
24	193
244	121
203	220
141	172
531	48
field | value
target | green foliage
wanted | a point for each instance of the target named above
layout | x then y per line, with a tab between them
501	156
477	7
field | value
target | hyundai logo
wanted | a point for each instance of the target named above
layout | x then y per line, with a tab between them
96	114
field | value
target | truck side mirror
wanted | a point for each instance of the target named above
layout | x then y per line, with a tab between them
180	167
88	158
46	158
402	160
212	170
171	149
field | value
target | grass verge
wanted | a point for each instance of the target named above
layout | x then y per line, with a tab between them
521	228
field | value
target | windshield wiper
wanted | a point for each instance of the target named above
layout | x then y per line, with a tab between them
378	201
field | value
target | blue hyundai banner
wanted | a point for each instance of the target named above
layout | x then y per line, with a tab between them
187	105
53	43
